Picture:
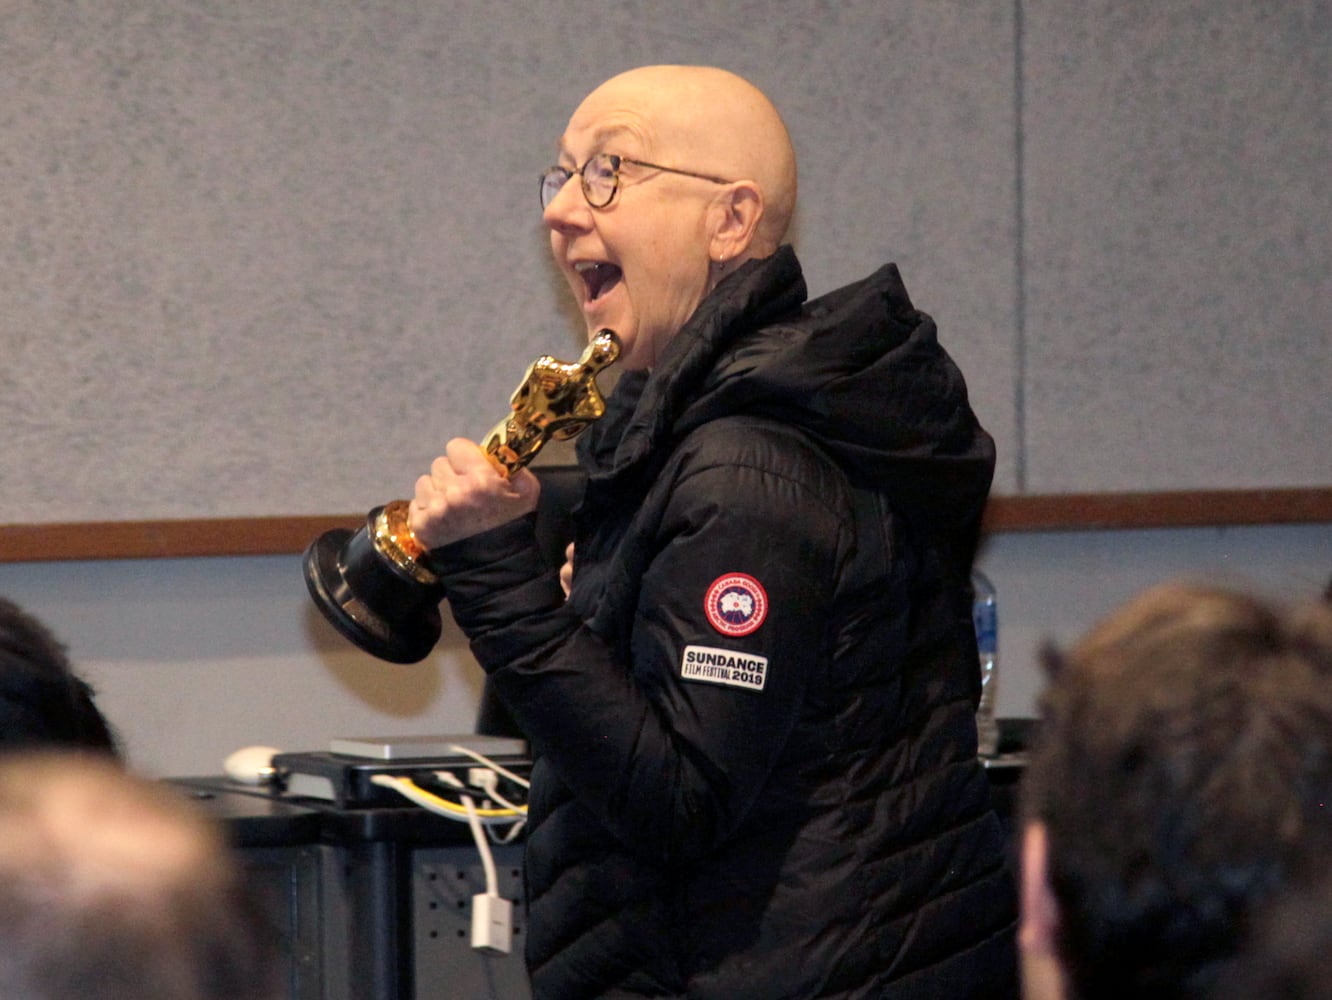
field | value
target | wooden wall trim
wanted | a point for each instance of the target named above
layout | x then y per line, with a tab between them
233	536
249	536
1170	509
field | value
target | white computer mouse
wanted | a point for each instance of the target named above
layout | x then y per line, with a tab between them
250	765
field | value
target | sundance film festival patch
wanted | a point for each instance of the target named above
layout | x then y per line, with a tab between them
724	666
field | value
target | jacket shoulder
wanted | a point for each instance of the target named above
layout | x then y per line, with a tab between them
764	445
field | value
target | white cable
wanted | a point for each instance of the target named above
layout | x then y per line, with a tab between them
474	821
494	794
486	780
492	914
509	837
408	789
497	768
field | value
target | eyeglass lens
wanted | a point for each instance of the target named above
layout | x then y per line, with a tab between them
551	182
599	176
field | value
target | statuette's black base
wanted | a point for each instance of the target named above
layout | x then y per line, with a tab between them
369	599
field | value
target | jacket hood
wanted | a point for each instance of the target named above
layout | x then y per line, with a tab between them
859	369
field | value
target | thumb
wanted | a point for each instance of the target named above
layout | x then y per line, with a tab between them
526	485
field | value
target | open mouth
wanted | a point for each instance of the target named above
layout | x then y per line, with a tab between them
598	277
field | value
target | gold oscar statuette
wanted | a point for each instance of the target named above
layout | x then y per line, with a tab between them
375	585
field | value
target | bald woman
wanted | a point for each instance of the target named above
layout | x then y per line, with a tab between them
753	712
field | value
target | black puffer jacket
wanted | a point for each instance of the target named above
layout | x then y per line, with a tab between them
753	717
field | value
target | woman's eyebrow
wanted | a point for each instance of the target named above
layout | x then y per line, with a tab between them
606	133
601	137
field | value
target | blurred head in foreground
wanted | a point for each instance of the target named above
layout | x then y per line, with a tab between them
115	887
1184	763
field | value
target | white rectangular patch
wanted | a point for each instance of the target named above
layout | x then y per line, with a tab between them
724	666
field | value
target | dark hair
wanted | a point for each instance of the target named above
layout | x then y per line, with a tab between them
42	701
1184	759
1286	955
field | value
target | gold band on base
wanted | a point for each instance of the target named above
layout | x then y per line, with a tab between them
394	538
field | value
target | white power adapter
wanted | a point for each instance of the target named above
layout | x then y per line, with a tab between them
492	923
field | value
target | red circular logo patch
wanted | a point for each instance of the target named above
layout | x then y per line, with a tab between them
736	604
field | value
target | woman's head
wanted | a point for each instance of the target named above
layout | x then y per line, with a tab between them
701	176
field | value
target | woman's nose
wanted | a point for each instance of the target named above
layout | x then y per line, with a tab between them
568	209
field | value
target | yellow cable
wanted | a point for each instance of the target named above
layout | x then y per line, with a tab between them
411	790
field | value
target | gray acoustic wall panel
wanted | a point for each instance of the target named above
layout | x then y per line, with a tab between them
266	258
1178	251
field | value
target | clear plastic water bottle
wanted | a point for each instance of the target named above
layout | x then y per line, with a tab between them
985	617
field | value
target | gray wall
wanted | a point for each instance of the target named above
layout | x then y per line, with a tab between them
262	257
1177	293
195	658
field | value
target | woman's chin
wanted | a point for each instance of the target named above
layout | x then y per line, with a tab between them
632	356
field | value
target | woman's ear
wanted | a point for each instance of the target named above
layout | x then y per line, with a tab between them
738	212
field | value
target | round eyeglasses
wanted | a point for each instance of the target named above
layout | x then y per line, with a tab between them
600	178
